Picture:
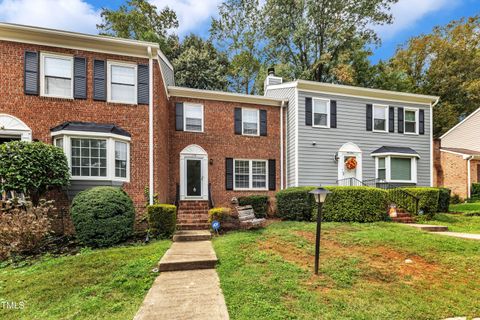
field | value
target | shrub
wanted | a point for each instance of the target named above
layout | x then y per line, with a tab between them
455	199
102	216
355	204
219	214
475	190
429	200
258	202
32	168
162	220
23	226
444	200
295	203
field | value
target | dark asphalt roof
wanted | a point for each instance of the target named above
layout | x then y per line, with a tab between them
91	127
389	149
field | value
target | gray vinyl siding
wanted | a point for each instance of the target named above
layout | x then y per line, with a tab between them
167	73
316	164
288	93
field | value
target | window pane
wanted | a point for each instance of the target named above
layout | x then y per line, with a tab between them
59	142
401	169
123	74
121	92
87	159
58	67
409	115
320	119
410	127
379	113
120	159
259	174
379	124
381	174
381	163
319	106
250	121
320	113
193	118
242	172
58	87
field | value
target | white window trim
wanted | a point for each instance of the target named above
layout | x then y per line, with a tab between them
417	121
44	55
250	180
188	104
111	63
388	158
313	113
386	118
258	122
67	148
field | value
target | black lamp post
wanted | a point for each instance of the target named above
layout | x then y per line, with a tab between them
320	195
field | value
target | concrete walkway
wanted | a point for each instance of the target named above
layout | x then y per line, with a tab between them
443	230
473	236
188	287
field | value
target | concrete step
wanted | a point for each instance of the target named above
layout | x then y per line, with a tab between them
193	226
404	219
428	227
190	255
192	235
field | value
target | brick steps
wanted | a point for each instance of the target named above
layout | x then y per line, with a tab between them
193	226
192	215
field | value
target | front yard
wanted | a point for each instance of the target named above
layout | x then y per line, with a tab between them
268	273
95	284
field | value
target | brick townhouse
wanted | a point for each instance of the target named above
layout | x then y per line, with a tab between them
113	107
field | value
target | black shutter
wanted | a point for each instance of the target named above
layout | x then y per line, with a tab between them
99	80
421	122
229	173
391	119
369	117
333	114
30	81
179	116
238	120
80	78
400	120
263	122
272	175
142	84
308	111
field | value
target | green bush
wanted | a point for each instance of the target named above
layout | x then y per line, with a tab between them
32	168
475	192
361	204
103	216
162	220
258	202
295	203
355	204
444	200
455	199
429	200
218	214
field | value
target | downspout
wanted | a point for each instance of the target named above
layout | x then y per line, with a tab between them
469	177
281	145
150	127
431	141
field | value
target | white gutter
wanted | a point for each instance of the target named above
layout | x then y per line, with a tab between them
431	140
469	176
281	145
150	126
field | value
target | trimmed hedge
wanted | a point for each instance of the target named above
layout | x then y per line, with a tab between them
258	202
359	204
444	200
103	216
218	214
162	220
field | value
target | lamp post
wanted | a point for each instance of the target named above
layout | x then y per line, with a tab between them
320	195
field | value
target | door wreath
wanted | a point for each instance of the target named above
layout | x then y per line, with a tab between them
351	163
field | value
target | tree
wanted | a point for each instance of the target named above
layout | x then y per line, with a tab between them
239	32
315	36
140	20
32	168
446	63
199	65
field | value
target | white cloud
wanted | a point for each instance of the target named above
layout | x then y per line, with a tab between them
190	13
406	13
71	15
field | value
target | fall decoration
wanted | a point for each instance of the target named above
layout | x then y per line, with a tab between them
351	163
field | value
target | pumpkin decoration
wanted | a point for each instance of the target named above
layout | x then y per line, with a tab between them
351	163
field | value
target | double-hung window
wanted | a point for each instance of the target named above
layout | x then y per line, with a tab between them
122	82
250	122
411	121
321	113
193	117
56	75
121	158
381	169
380	116
250	175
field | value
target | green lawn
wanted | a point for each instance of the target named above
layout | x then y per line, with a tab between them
473	207
268	274
457	222
96	284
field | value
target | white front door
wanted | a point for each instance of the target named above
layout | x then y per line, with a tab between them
193	174
349	164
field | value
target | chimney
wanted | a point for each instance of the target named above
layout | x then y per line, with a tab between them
271	79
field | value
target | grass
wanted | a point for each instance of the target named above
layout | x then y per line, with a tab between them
363	274
95	284
457	222
473	207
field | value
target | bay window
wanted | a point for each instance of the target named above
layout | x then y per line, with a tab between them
250	175
56	74
396	168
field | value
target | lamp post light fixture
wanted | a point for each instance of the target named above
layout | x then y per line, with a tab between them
320	195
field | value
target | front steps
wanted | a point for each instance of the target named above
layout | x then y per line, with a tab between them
191	250
192	215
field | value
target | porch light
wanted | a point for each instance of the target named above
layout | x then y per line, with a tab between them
320	195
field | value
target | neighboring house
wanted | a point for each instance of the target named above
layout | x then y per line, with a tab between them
388	134
458	161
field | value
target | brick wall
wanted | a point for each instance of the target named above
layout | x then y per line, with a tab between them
41	114
455	175
220	142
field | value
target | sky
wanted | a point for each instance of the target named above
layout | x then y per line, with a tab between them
411	17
